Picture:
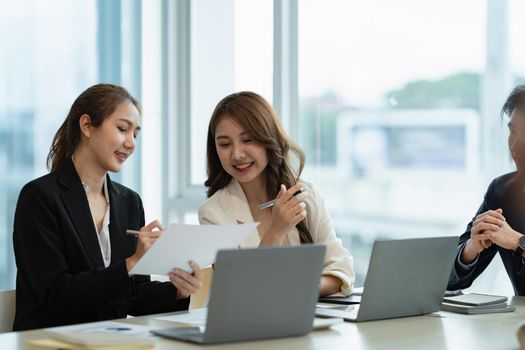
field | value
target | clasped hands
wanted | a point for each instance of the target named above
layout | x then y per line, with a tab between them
489	228
186	283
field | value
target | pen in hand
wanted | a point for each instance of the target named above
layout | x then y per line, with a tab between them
270	204
133	233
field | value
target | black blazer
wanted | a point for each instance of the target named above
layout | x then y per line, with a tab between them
61	278
505	192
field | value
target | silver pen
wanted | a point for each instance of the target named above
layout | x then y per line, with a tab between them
270	204
133	233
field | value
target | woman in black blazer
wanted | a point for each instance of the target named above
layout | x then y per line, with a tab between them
72	252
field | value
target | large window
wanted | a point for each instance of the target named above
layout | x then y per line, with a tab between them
394	102
46	59
392	113
231	50
48	56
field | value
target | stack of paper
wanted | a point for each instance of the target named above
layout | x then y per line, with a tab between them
96	336
92	341
474	303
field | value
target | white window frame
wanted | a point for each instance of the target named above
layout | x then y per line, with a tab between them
179	193
184	197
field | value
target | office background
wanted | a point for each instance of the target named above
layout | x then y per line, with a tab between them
396	103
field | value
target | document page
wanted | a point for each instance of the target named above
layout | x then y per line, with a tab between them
103	334
181	243
195	317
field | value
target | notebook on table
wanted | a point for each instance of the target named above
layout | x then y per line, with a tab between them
259	294
476	303
475	299
405	277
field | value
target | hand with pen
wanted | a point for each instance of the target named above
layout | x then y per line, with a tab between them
145	239
288	210
185	282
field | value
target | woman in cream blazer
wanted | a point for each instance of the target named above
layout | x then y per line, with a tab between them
249	162
229	206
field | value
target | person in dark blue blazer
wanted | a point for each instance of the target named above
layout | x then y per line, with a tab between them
72	253
499	224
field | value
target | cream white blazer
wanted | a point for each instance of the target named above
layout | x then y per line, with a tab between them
230	206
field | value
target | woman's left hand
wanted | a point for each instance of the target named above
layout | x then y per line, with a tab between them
288	210
187	283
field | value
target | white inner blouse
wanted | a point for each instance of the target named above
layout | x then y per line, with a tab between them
103	235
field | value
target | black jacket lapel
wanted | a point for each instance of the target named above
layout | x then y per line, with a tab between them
76	203
118	217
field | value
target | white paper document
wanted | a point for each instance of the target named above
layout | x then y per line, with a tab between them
195	317
181	243
103	334
104	326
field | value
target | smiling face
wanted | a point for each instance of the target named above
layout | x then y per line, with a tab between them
517	138
114	140
239	154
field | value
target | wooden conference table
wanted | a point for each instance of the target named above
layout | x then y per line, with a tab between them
435	331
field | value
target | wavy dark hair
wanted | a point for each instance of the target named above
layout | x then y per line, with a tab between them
98	101
257	117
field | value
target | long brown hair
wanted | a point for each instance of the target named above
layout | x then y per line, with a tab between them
257	117
98	101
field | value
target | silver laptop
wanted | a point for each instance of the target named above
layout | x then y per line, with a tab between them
405	277
261	293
